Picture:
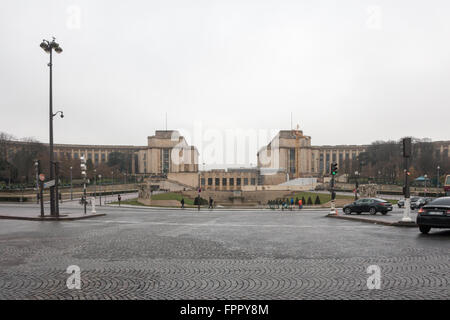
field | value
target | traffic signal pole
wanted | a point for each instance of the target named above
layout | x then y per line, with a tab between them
40	184
334	170
56	189
83	173
406	156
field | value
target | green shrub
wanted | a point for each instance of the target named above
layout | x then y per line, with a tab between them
317	200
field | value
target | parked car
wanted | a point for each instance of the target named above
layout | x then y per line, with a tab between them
415	202
420	202
371	205
435	214
401	203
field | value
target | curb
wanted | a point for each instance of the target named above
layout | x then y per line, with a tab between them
373	221
49	218
215	209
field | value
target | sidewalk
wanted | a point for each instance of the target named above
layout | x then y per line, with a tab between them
33	214
390	219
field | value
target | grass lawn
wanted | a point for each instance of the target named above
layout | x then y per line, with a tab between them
394	202
133	202
172	196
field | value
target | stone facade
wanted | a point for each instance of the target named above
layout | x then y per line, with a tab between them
291	151
229	180
167	152
289	155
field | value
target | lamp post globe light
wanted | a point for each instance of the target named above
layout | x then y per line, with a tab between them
100	184
50	46
437	181
71	186
95	184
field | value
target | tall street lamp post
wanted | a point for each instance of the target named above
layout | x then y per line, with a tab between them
100	181
49	46
95	184
71	186
437	181
36	165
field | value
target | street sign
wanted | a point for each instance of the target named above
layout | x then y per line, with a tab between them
42	177
49	184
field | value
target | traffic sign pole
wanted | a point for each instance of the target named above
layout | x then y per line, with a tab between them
198	200
407	150
41	189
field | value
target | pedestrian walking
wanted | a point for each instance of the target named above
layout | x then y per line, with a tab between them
119	198
182	203
210	203
292	203
198	202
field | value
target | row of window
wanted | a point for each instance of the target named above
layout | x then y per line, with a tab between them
76	155
229	181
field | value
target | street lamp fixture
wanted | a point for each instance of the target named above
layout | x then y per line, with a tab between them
71	186
61	114
100	182
437	181
50	46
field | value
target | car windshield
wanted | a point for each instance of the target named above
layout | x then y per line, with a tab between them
445	201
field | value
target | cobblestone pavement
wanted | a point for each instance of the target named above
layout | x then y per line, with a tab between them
186	254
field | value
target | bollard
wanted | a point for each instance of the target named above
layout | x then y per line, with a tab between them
93	205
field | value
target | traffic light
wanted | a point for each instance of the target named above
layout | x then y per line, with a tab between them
334	168
406	147
83	166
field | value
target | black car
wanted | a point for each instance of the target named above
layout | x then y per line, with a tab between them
371	205
435	214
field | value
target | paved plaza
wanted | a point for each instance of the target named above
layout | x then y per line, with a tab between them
136	253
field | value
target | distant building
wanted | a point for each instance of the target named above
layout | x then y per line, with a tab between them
291	151
166	152
289	155
229	179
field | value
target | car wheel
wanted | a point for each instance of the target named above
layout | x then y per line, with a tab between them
358	212
347	211
372	210
424	229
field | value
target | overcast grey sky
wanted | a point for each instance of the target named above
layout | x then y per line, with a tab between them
350	71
